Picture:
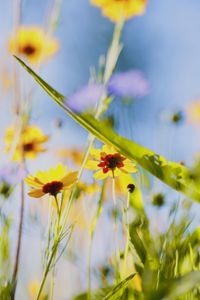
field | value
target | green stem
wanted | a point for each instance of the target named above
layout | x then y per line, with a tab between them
117	251
127	235
53	254
91	235
19	241
111	61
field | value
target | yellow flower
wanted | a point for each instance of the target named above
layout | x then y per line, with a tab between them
32	43
193	112
53	182
33	289
29	144
117	10
109	162
75	155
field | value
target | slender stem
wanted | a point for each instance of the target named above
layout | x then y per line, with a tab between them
111	60
91	235
89	265
53	253
17	257
127	235
117	251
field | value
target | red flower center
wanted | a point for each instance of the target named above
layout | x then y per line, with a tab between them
28	147
28	50
52	188
111	162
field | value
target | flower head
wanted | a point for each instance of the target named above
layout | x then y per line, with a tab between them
86	97
109	162
129	84
31	42
29	144
193	112
52	183
117	10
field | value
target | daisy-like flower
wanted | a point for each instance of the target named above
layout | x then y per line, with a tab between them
52	183
117	10
32	43
109	162
28	145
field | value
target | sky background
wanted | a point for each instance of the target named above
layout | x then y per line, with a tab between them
164	44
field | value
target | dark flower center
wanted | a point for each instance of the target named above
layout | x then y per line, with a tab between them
52	188
111	162
131	187
28	50
28	147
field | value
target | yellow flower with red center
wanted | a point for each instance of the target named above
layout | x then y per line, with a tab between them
52	183
33	44
27	144
117	10
109	162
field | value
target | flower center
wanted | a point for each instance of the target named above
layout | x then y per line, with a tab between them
53	187
111	162
28	147
28	50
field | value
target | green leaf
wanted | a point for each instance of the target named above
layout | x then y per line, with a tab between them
118	288
173	174
138	245
173	289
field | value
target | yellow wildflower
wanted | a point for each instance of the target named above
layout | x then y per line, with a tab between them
75	155
33	288
109	162
117	10
193	112
32	43
29	144
53	182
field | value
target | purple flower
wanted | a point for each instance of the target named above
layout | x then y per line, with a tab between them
86	97
130	84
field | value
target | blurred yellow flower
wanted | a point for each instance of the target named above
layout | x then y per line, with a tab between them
117	10
33	289
29	144
32	43
109	162
193	112
53	182
75	155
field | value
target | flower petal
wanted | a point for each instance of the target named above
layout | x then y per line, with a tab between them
92	165
69	179
36	193
100	175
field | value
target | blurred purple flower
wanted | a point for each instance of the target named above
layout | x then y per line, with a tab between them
130	84
11	174
86	97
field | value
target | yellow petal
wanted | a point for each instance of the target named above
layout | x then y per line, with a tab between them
100	175
96	153
36	193
129	167
92	165
69	179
